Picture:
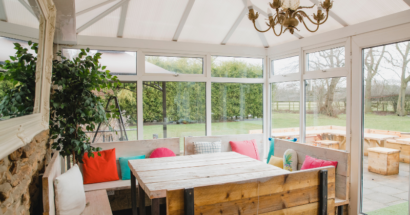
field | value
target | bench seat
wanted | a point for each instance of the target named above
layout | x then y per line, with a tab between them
97	203
111	185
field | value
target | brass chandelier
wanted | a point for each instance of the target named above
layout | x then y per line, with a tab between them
289	14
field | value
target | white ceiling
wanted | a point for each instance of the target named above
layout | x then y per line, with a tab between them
208	21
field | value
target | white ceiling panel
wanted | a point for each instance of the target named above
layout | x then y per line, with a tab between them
18	14
210	21
105	27
153	19
354	11
81	5
84	18
245	35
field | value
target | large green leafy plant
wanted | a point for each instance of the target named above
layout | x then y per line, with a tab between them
74	108
18	82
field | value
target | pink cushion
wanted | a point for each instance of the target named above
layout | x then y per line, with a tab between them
311	163
247	147
161	153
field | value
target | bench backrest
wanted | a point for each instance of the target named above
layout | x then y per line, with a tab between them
284	193
343	158
53	170
138	147
225	146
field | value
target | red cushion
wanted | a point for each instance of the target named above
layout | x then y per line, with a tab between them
100	168
247	147
161	153
311	163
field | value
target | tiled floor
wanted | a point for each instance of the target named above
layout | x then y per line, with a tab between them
382	191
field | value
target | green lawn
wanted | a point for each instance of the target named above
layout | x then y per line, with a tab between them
280	120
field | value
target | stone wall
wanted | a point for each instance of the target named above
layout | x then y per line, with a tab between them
20	179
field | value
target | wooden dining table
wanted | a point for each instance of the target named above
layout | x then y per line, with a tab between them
158	175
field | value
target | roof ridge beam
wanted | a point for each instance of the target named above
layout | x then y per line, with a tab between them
100	16
261	35
407	2
28	7
334	15
121	25
234	26
184	17
3	14
93	7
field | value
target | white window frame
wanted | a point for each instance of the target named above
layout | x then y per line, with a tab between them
284	77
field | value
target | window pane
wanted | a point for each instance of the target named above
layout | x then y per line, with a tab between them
326	112
118	129
285	110
326	59
17	88
235	67
173	65
174	109
118	62
237	108
285	66
386	77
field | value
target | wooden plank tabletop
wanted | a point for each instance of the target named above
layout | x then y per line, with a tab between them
405	141
336	132
158	175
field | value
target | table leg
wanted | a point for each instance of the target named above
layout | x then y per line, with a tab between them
155	207
133	194
141	200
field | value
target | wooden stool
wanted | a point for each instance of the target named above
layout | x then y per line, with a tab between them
331	144
384	161
401	145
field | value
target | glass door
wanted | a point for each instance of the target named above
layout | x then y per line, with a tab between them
386	136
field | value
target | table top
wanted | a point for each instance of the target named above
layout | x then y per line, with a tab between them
336	132
383	150
158	175
405	141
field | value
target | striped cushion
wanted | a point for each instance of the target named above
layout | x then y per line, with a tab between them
207	147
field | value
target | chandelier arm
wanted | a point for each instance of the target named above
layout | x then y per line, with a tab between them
254	25
317	26
313	22
281	28
301	7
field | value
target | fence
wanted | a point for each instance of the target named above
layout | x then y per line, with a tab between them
294	106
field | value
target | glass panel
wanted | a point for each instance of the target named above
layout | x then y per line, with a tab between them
122	129
173	65
285	110
326	112
236	67
118	62
326	59
237	108
17	83
386	77
174	109
285	66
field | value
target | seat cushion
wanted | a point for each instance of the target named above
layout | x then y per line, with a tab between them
311	163
69	192
246	147
276	161
100	168
161	153
207	147
125	169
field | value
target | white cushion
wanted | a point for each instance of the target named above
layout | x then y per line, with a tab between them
207	147
290	160
69	192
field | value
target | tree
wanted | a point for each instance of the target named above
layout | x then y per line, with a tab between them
401	60
374	57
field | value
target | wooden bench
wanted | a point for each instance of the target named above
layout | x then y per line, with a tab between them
342	170
302	192
225	146
384	161
400	144
96	201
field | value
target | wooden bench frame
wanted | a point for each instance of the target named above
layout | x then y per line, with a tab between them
225	146
342	170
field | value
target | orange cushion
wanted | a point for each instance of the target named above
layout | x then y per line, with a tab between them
100	168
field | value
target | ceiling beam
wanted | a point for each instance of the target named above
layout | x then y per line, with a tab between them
333	14
121	25
28	7
3	14
234	26
407	2
93	7
297	35
261	35
183	19
100	16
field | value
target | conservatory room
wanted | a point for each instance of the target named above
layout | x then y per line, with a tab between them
204	107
